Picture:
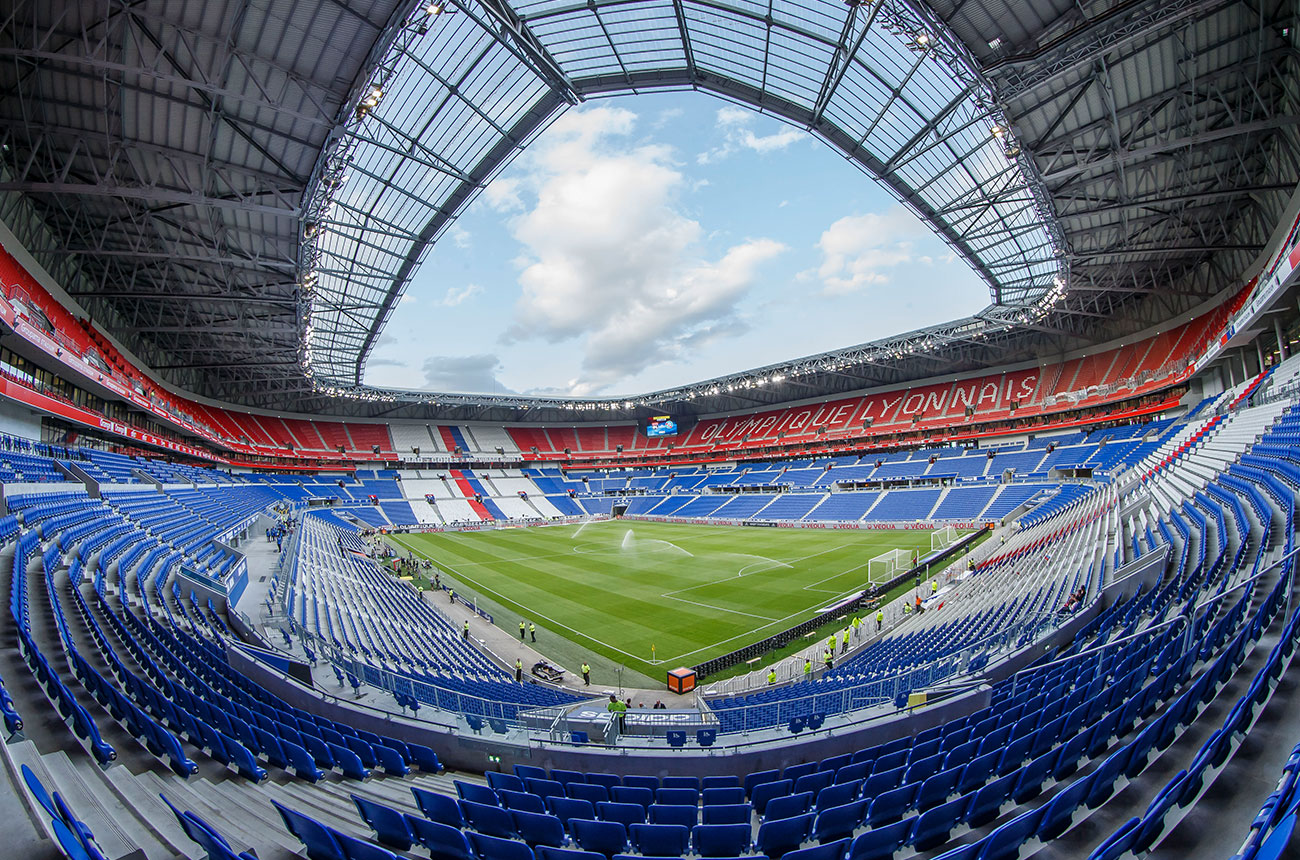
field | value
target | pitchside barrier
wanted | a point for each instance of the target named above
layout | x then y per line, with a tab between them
758	649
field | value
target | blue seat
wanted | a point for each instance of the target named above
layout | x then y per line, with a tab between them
438	807
389	825
728	781
988	800
633	780
1004	842
569	808
721	840
880	843
1058	813
1118	843
526	771
639	795
706	737
721	796
476	793
675	738
878	783
564	777
349	762
938	788
978	771
539	828
838	794
788	805
662	813
814	782
777	837
544	788
757	778
360	849
624	813
603	837
727	813
207	838
545	852
1103	778
316	838
765	792
489	820
609	780
839	822
593	794
443	841
923	769
660	840
933	826
853	772
829	851
963	852
797	771
1032	776
890	805
677	796
494	848
521	801
426	759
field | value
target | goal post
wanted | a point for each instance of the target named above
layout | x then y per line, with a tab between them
943	538
886	566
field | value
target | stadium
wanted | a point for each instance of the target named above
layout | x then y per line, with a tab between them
935	499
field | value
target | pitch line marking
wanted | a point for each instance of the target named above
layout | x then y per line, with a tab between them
663	660
507	601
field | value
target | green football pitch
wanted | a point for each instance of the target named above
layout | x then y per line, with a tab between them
653	596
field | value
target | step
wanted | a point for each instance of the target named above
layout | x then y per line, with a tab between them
116	829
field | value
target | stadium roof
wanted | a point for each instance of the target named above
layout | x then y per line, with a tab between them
238	190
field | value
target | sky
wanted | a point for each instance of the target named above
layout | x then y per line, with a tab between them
651	241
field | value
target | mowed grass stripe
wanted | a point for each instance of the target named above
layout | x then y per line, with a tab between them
693	591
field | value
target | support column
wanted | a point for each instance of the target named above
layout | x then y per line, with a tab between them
1259	353
1281	341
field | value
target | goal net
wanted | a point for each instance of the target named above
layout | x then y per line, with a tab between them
888	565
943	538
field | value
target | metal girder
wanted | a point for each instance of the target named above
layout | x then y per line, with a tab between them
1121	25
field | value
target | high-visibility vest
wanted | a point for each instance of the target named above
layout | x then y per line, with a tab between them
807	667
845	637
771	676
585	668
880	616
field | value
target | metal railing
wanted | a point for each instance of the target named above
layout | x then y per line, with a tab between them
883	690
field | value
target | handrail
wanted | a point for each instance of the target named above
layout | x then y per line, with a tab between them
1185	617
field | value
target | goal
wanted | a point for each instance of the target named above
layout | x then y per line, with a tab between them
886	566
943	538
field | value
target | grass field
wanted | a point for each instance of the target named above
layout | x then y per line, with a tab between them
693	592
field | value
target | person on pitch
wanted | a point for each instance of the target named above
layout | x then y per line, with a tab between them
522	629
519	670
586	675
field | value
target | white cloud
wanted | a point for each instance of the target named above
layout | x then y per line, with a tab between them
860	250
502	194
471	374
456	296
460	236
610	259
736	125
